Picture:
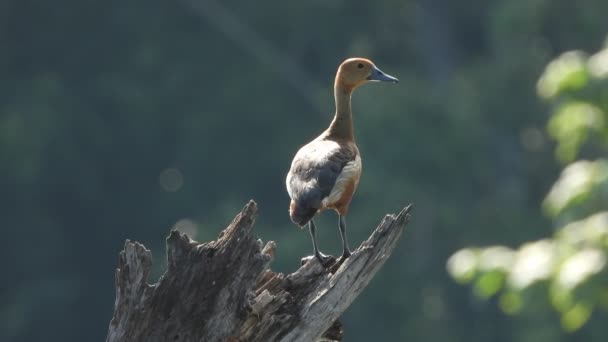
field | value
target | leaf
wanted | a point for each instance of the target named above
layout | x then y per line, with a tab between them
576	184
462	265
576	317
572	125
567	72
489	284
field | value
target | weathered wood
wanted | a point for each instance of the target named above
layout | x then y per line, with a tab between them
224	290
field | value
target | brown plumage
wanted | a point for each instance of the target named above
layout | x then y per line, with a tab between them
325	173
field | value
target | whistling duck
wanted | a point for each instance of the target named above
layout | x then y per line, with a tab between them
325	172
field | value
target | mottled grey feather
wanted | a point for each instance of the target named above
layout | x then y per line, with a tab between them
315	169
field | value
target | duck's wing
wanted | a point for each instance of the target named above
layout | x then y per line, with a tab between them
315	170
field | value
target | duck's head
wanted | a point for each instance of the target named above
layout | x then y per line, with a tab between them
354	72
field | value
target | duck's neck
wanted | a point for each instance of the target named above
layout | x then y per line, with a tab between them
342	125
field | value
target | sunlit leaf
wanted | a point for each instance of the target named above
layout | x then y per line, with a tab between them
489	284
496	258
534	261
567	72
462	265
592	230
571	126
575	185
598	64
578	267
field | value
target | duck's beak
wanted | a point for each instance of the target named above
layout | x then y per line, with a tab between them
379	75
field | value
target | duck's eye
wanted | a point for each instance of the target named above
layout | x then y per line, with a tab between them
360	65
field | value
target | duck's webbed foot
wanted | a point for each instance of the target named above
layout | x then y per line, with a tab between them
345	254
325	260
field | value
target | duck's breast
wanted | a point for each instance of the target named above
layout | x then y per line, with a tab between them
345	185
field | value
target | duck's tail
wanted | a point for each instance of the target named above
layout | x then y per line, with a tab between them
300	214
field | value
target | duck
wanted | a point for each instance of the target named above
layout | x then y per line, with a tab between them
325	172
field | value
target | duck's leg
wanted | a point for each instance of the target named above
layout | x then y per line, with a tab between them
342	225
323	259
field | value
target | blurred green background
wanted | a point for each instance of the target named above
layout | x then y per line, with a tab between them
126	119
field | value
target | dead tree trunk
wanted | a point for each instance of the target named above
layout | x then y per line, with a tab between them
223	290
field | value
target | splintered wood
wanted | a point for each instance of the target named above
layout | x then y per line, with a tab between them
224	290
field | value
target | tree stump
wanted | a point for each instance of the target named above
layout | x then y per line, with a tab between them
223	290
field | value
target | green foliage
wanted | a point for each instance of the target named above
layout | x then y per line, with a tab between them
582	187
571	267
577	85
572	125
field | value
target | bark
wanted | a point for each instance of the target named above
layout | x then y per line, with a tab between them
223	290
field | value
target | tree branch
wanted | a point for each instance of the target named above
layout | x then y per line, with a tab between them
223	290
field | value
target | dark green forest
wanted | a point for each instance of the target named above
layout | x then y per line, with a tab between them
126	119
